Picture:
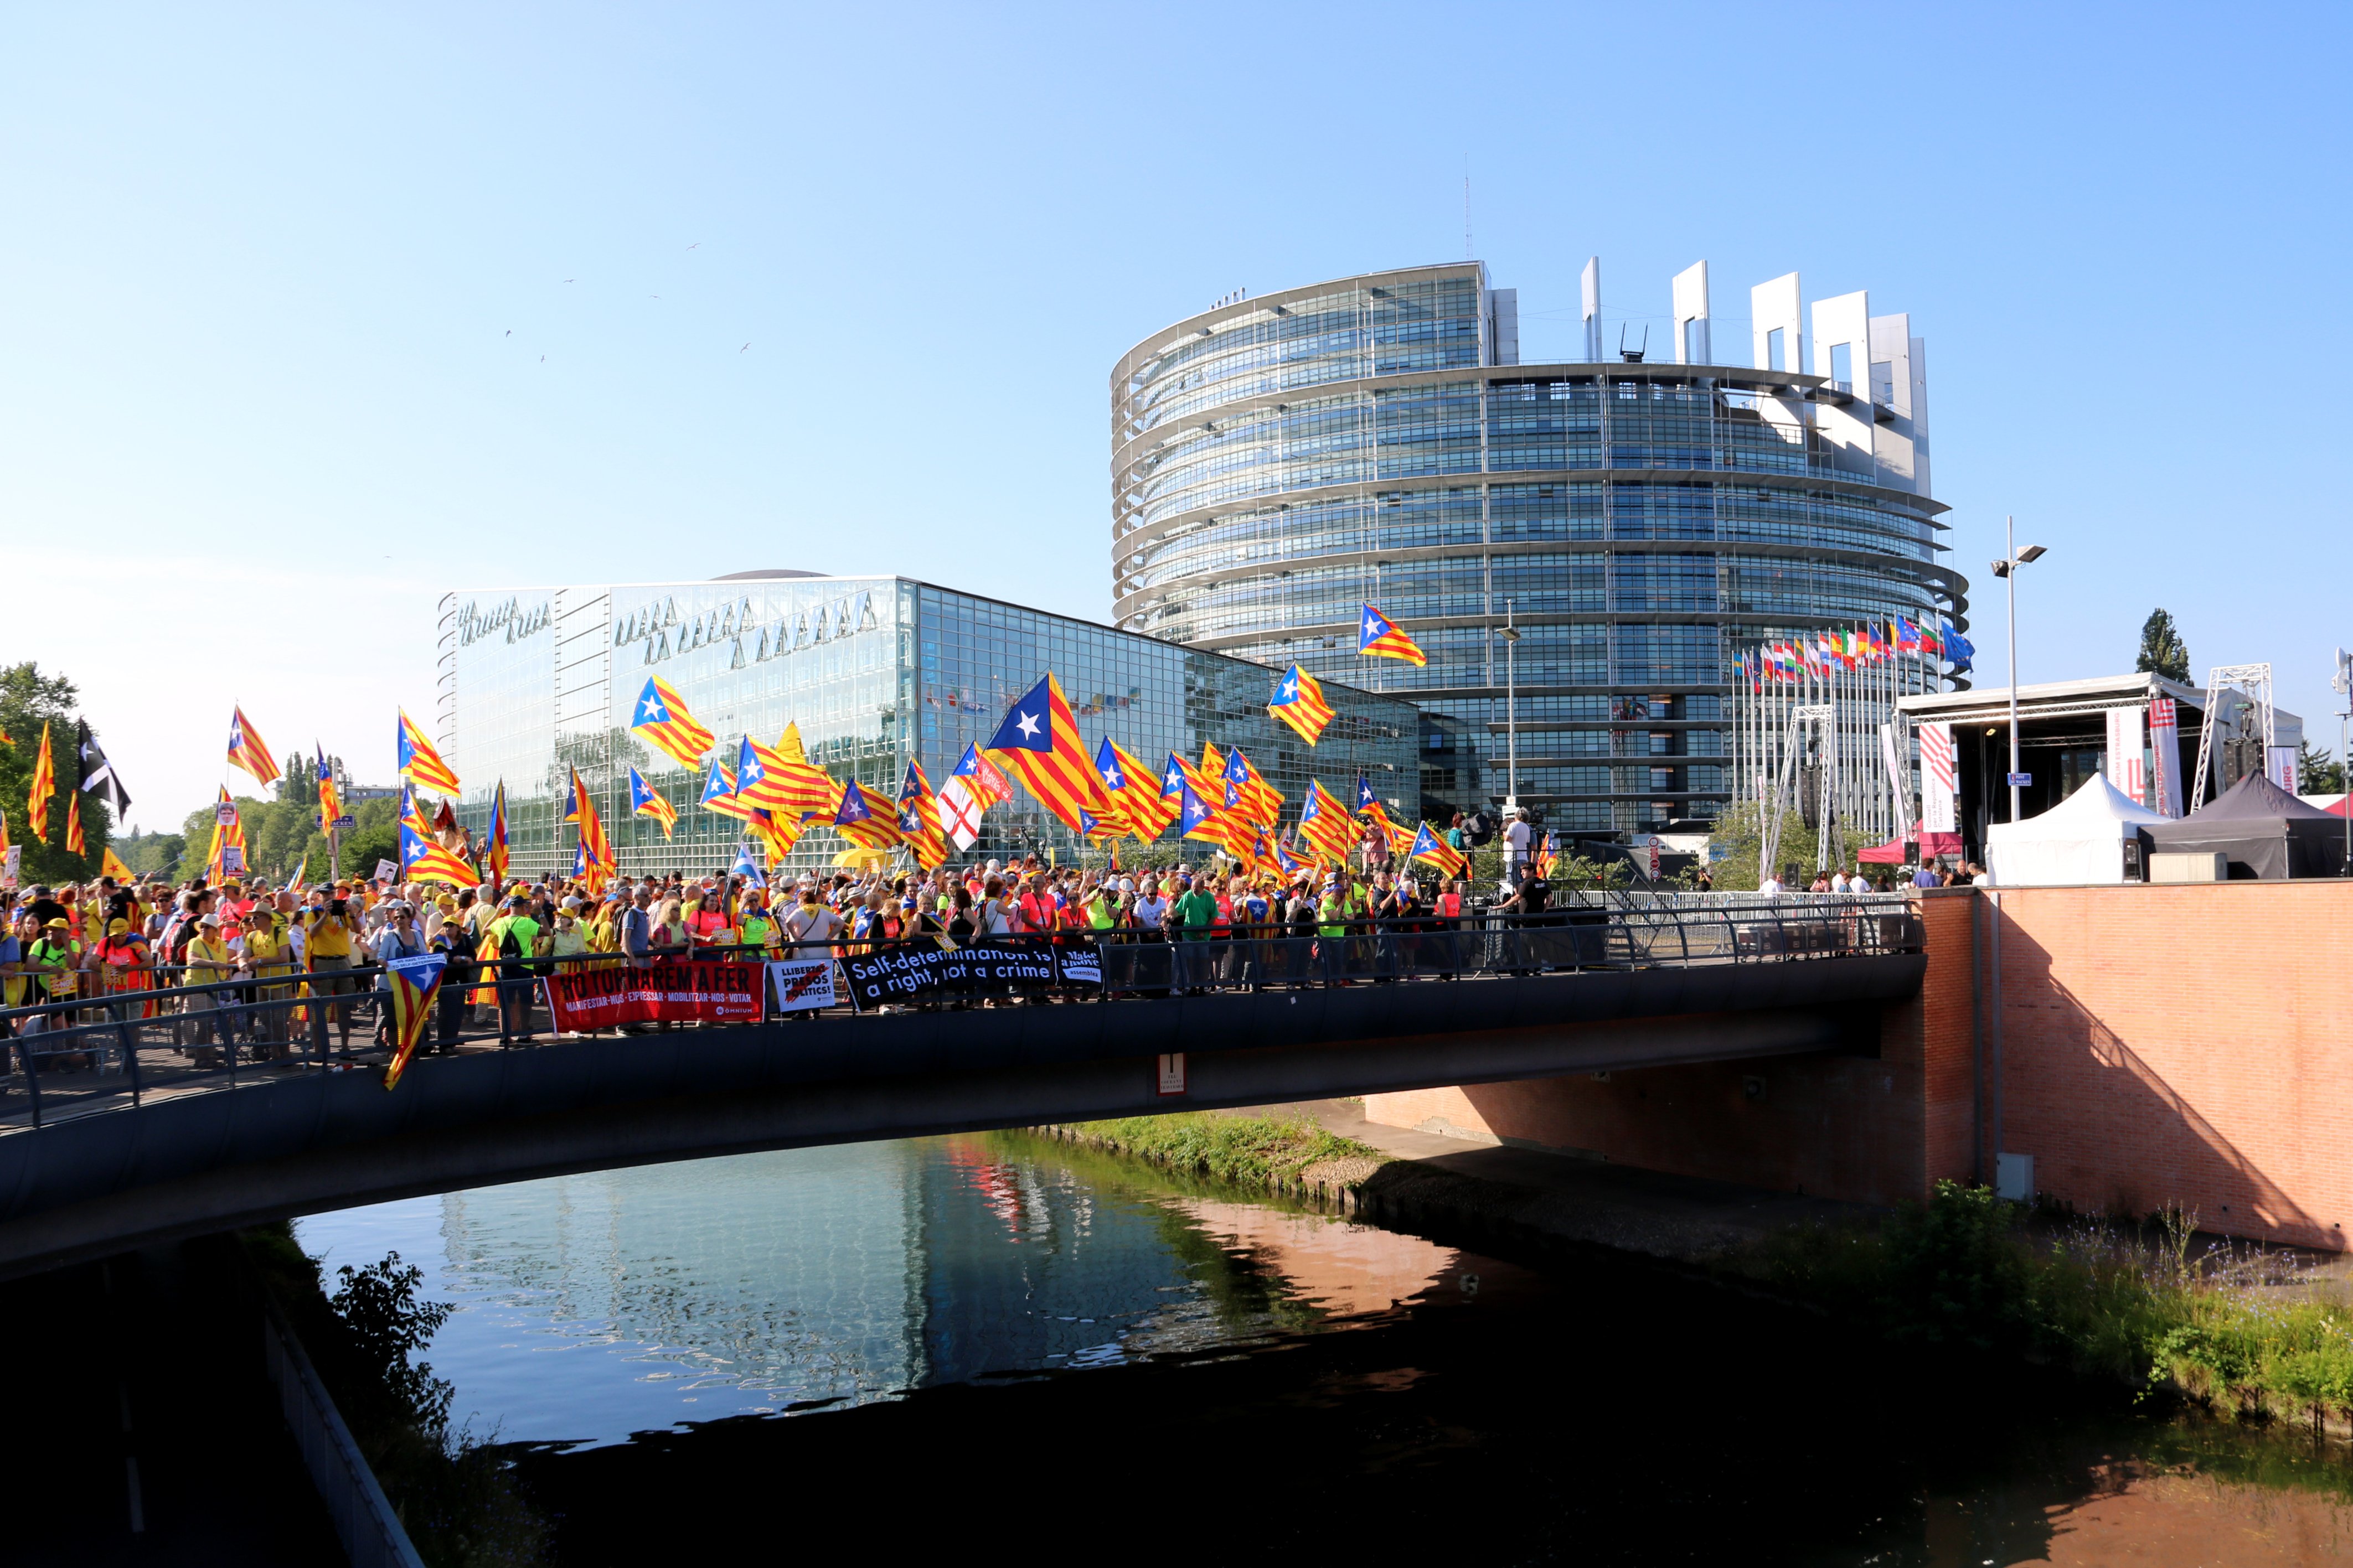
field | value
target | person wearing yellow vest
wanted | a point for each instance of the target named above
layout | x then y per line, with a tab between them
328	927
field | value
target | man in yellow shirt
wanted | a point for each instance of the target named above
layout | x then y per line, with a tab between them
327	927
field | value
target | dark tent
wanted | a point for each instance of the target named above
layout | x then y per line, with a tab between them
2266	832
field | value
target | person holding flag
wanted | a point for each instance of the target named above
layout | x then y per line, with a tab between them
44	785
1380	638
1299	702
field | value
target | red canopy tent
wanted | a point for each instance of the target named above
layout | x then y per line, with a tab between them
1892	853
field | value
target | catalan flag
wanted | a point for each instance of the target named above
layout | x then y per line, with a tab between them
807	789
45	785
1379	638
865	819
412	815
247	751
1431	850
1292	864
419	762
494	843
109	863
719	793
661	717
777	832
646	801
1196	818
423	860
415	983
75	843
595	849
919	818
1324	823
331	804
1041	739
1299	702
984	780
1547	856
1135	790
1368	803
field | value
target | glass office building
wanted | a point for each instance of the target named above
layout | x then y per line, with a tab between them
875	670
1282	459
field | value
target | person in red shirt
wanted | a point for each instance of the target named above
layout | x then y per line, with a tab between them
1037	904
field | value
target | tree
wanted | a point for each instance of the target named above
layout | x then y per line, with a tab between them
28	699
2318	772
2162	651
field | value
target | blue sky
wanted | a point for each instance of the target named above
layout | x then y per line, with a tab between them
314	311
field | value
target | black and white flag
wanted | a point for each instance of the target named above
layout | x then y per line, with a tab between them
97	774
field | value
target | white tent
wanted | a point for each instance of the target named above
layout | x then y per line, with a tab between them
2080	840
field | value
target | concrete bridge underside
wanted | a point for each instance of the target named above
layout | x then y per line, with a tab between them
205	1162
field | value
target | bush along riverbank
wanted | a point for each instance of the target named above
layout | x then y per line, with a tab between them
2240	1329
452	1494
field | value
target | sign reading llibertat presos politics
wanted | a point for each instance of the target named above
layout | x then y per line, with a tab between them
919	971
801	984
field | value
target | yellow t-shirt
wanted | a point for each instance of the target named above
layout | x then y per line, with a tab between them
331	938
262	950
205	950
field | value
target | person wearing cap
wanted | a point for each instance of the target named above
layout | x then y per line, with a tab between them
208	963
329	931
516	938
123	965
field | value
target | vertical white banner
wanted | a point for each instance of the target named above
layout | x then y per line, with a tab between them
1939	804
2125	768
2279	765
2165	759
1899	783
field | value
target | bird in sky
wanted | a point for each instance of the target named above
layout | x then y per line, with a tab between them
510	332
745	348
696	246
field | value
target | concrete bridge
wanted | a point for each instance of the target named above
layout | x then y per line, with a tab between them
296	1140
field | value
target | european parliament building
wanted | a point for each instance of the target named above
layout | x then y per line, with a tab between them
875	670
1641	518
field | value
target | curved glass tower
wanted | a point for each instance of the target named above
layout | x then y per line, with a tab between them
1282	459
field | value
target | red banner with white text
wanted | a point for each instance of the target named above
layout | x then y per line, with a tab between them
670	993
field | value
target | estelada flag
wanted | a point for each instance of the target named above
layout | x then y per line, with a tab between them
412	816
1111	819
415	983
864	820
1196	818
74	844
45	785
419	762
494	849
247	751
919	818
1379	638
595	847
661	717
1368	803
422	860
1433	851
1547	857
719	793
984	780
1041	739
1299	702
646	801
1135	790
803	791
1324	823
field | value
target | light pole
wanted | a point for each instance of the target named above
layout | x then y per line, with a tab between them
2344	684
2007	569
1511	635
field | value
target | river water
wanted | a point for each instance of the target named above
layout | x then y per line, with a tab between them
960	1343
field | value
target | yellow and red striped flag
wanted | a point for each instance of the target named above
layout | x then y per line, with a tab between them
1299	702
595	847
719	793
661	717
423	860
494	842
419	762
1325	824
229	833
45	785
1039	739
645	801
1148	810
248	750
919	818
1381	637
74	844
866	820
109	863
1433	851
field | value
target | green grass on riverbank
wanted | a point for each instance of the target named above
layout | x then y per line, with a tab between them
2236	1326
1251	1151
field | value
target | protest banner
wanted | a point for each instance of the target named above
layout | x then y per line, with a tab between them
900	972
676	993
799	985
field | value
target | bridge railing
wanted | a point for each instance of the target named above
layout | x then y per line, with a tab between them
73	1055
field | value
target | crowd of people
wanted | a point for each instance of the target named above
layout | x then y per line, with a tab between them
1934	873
243	961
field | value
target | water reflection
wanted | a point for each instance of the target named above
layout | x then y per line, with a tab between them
591	1307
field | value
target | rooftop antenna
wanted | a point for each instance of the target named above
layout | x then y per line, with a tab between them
1466	215
1633	356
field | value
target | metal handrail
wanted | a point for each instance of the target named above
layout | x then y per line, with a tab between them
1135	964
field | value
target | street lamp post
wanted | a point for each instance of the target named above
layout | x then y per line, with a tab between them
2344	684
1511	635
2007	569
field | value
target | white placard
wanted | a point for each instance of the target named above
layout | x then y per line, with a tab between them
15	863
1171	1074
1898	783
799	985
232	860
386	872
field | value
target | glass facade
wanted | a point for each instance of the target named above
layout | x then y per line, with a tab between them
873	669
1280	461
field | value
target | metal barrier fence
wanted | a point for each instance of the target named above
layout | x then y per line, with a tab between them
68	1056
369	1532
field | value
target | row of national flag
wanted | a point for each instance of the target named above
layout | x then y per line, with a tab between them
1871	642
